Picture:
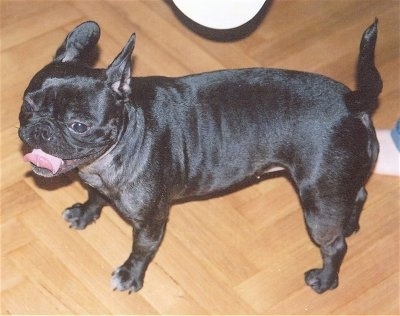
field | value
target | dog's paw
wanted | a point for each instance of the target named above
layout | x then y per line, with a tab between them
124	279
77	217
319	282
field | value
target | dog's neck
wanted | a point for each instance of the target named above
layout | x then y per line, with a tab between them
98	173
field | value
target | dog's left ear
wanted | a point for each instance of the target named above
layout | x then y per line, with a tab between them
79	43
120	70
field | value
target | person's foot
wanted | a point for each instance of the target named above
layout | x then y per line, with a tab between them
388	162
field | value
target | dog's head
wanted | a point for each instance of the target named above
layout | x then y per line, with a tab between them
71	113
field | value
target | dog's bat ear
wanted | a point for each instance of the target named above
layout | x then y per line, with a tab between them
79	43
120	70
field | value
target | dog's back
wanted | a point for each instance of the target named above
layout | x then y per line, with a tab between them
227	126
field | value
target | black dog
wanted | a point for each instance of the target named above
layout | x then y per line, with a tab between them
142	143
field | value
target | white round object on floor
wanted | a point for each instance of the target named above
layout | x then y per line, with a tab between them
220	14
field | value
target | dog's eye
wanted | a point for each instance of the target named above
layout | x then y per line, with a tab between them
79	127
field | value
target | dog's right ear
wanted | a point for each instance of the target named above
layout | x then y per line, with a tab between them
119	72
79	43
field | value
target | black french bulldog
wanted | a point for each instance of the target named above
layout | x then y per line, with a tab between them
143	143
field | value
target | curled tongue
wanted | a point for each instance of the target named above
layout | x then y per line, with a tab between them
41	159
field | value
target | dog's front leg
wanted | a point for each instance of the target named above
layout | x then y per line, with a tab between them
147	237
80	215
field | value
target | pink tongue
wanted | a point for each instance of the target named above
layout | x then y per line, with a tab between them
41	159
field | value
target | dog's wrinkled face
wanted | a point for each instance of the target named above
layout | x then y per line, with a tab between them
71	114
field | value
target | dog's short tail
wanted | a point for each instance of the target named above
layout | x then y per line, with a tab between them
369	82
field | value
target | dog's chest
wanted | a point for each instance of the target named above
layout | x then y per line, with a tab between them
96	181
103	177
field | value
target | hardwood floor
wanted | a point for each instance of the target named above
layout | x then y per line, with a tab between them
242	253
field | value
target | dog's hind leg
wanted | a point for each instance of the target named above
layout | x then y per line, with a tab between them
325	216
352	225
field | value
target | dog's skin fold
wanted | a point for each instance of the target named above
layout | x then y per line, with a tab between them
143	143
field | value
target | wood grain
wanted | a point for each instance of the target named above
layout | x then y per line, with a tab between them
242	253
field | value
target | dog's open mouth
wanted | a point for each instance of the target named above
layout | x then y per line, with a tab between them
47	165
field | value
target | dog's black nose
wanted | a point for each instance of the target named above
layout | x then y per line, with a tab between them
43	132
